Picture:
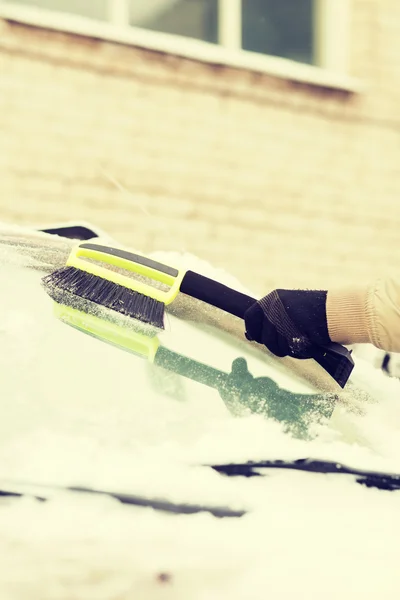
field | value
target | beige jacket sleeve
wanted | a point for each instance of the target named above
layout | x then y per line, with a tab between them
370	314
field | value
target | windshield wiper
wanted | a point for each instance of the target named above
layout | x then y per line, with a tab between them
44	492
374	479
371	479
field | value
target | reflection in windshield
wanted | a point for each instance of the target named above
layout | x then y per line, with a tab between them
244	393
240	390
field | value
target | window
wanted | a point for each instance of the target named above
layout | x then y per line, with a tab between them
279	27
190	18
312	32
93	9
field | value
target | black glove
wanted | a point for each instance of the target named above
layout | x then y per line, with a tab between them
289	322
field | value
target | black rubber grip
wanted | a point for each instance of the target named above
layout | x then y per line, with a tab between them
135	258
215	293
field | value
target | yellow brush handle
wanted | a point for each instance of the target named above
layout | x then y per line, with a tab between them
123	337
80	254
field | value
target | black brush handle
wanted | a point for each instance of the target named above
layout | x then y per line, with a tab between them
215	293
334	358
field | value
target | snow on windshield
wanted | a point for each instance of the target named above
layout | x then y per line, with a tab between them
76	411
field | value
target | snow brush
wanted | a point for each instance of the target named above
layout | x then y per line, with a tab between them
103	275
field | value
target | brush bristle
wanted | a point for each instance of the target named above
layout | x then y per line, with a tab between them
105	293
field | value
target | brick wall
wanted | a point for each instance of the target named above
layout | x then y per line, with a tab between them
281	183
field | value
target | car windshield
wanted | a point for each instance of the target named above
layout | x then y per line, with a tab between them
63	380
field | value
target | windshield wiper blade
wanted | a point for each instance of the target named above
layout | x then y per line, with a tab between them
375	479
44	492
370	479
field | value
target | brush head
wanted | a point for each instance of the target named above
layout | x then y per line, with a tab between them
70	285
127	283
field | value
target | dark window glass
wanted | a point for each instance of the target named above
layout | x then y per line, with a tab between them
93	9
190	18
279	27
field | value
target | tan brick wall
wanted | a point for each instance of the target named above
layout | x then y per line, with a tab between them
278	182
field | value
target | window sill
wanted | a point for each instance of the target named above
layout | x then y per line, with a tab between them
181	46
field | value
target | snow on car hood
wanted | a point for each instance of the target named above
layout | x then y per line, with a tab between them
76	411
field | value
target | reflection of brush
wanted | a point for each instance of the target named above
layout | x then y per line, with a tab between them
239	390
141	342
88	275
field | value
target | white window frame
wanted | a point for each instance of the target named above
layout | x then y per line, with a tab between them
331	41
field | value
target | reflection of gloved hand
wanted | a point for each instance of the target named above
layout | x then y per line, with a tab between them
242	387
261	395
289	322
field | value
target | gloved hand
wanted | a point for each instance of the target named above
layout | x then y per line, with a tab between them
289	322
